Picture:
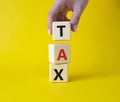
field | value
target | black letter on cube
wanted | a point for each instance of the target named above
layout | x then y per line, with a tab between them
58	74
61	29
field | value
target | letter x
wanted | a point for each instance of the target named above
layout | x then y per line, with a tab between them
58	74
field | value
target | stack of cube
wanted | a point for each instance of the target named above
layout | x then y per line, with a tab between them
59	54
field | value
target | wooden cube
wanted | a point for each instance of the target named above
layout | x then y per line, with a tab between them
61	30
59	53
58	73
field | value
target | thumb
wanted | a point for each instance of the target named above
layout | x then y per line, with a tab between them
75	18
52	16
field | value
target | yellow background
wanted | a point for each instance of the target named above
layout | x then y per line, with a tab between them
94	70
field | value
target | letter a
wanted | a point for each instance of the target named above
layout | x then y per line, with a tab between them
62	55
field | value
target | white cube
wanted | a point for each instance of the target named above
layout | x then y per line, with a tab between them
61	30
59	53
58	73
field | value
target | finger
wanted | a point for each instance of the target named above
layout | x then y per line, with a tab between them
75	18
52	17
50	20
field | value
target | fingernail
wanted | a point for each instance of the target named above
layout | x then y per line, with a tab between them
74	27
48	31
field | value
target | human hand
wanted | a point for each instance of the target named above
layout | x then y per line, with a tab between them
60	10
